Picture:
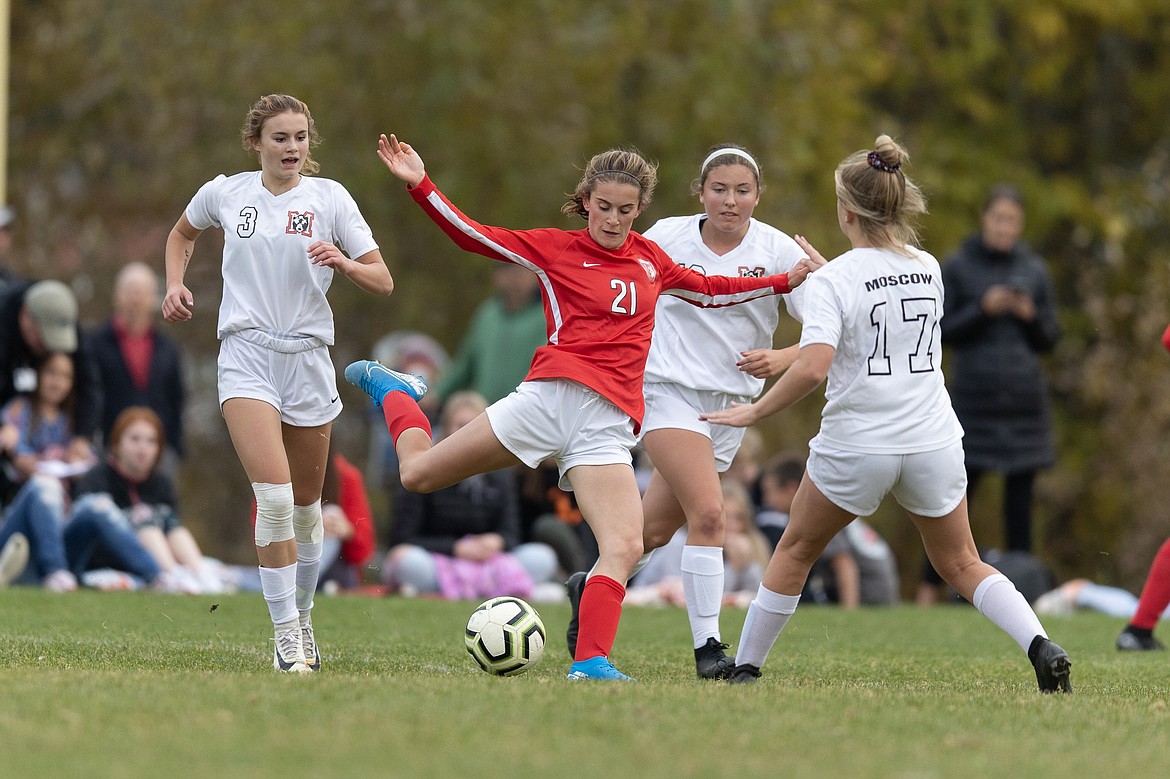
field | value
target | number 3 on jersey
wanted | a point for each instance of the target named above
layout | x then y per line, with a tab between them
625	289
915	328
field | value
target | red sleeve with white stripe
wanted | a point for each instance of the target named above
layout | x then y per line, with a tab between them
717	291
531	248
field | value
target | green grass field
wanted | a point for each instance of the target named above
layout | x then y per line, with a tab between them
141	684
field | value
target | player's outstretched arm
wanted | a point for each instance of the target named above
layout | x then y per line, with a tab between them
805	375
401	160
766	363
800	271
815	259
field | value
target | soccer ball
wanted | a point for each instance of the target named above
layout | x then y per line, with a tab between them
505	636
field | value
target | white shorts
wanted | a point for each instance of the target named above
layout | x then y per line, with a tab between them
930	484
301	385
564	420
670	405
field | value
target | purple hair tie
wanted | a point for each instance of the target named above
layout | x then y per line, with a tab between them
875	161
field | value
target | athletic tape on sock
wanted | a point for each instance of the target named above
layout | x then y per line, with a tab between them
308	526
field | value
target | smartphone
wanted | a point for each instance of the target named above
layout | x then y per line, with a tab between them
1019	284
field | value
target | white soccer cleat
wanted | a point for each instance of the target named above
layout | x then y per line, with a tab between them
288	654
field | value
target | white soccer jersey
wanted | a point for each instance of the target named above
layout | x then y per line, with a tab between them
881	312
698	348
268	281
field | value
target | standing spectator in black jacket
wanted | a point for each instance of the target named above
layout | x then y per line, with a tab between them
139	364
37	318
999	316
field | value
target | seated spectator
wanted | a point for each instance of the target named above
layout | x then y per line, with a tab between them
779	480
857	568
745	549
129	490
36	516
1086	594
40	451
37	427
97	547
747	465
462	542
550	516
36	319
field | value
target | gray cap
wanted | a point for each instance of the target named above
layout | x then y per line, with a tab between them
53	309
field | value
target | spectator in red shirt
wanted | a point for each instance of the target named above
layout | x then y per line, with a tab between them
140	365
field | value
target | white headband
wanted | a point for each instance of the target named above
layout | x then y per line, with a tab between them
728	150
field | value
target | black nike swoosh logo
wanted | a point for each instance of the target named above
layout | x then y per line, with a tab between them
334	398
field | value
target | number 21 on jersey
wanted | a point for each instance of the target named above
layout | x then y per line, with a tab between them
625	300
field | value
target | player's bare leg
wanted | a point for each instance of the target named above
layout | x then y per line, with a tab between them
952	552
257	435
685	488
610	502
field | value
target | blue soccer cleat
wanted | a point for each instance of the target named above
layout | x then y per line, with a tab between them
596	668
376	380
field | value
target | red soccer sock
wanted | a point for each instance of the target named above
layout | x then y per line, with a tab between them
402	413
600	613
1156	591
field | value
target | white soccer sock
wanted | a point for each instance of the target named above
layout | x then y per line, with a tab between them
279	587
702	579
998	599
767	615
307	525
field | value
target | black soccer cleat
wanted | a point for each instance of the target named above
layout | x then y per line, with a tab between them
574	586
1136	640
711	662
1052	665
744	674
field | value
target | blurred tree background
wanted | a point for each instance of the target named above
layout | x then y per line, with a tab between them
120	110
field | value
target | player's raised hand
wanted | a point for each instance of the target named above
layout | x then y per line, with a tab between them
815	260
766	363
401	160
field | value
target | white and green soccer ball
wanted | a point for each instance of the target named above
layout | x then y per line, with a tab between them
505	636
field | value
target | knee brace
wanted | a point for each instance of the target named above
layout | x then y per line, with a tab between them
308	526
274	512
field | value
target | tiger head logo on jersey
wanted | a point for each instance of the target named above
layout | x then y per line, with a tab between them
300	224
648	266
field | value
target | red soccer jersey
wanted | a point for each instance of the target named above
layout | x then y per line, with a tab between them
598	303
